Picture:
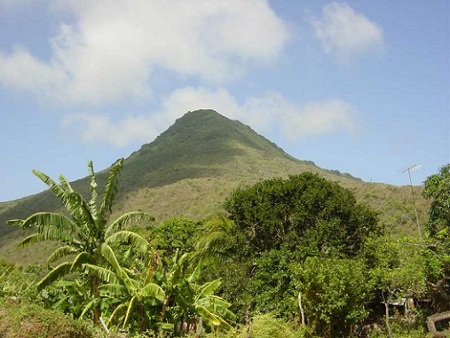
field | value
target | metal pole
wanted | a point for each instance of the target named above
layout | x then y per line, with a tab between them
413	198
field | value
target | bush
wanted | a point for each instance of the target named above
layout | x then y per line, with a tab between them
31	321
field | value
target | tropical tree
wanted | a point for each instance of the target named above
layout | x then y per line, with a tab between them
334	293
175	235
218	242
397	269
437	190
86	234
157	296
305	211
133	292
189	305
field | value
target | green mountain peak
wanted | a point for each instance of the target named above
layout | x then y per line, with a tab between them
199	144
190	169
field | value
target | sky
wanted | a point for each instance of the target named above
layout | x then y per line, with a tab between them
357	86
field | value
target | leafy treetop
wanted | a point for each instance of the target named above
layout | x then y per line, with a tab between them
306	212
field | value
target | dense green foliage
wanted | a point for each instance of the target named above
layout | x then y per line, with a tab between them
86	236
291	257
305	212
295	257
437	189
111	271
335	293
301	235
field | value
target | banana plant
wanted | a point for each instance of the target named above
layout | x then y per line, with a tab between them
136	298
187	304
86	235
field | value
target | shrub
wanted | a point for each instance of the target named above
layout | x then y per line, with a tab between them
31	321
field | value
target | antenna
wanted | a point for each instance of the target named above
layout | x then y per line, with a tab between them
411	168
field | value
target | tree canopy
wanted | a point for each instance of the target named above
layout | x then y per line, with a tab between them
304	211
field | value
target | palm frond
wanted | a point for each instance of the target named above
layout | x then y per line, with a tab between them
79	209
112	288
216	233
108	253
111	188
80	287
58	272
64	184
15	222
217	305
61	304
153	290
93	303
51	233
44	218
62	191
130	238
104	274
93	190
55	188
79	260
29	240
209	316
117	313
60	252
126	219
208	288
131	307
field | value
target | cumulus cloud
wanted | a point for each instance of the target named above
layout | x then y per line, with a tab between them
271	115
111	51
94	128
318	118
345	33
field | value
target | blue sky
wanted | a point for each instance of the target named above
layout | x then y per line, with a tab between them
357	86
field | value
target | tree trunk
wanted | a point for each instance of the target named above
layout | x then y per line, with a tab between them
433	319
386	308
97	311
300	308
199	330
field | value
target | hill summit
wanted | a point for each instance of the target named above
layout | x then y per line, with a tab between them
199	144
203	146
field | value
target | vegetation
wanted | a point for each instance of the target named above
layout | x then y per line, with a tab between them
191	168
292	256
86	236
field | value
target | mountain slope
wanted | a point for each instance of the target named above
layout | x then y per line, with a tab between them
191	168
202	143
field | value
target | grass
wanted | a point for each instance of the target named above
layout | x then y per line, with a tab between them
32	321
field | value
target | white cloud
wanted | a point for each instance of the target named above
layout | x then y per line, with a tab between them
271	115
318	118
345	33
25	72
93	128
111	50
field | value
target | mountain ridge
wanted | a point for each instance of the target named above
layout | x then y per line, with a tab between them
189	170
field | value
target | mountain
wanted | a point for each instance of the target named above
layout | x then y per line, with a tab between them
190	169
